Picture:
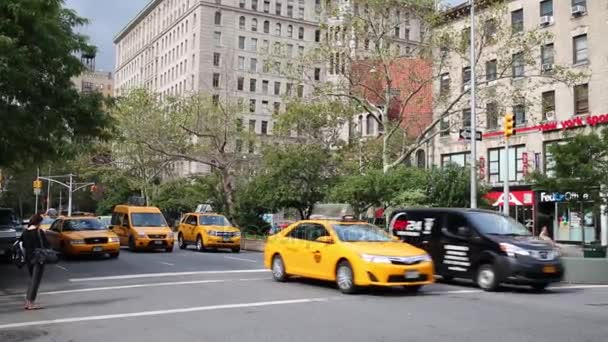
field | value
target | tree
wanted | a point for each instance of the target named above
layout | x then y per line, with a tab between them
450	187
40	110
389	79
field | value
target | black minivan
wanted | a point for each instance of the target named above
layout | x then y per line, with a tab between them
482	245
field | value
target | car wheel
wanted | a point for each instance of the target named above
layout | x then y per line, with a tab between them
278	269
200	244
345	278
487	279
412	288
132	244
540	286
114	255
180	241
236	250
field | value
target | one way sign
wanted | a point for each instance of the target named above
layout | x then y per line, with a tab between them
466	134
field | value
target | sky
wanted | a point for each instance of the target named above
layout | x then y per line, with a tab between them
107	17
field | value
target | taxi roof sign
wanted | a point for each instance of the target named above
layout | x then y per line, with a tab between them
332	211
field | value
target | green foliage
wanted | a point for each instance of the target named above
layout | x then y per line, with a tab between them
42	114
450	187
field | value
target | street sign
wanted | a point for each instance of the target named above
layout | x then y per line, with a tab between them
466	134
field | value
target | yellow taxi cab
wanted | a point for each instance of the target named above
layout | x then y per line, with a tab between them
353	254
82	235
207	230
47	221
141	228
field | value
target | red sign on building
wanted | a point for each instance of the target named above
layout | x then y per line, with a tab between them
525	198
482	168
524	163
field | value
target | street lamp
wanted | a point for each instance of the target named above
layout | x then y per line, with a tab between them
473	112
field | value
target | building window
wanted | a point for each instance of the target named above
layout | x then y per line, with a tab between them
241	42
216	59
277	29
517	21
460	159
216	80
254	44
266	26
549	162
496	158
254	5
242	3
252	85
265	45
397	32
491	72
300	12
241	63
420	159
546	8
579	3
239	146
466	118
251	126
317	74
277	88
580	49
217	39
518	65
264	129
265	86
252	106
266	6
301	33
547	57
218	18
242	23
318	36
254	25
444	127
290	50
290	31
466	78
492	116
278	8
253	65
519	111
240	83
369	124
581	99
490	29
276	107
290	11
300	91
444	84
548	105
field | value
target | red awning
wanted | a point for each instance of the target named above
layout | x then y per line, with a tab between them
525	198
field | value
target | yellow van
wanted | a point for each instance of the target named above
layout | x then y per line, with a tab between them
141	228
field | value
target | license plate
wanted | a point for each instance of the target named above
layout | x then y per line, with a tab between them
412	275
227	238
158	242
549	269
97	249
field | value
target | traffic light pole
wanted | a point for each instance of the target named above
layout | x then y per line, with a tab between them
473	113
505	196
71	186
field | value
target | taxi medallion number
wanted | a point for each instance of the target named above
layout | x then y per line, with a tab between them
549	269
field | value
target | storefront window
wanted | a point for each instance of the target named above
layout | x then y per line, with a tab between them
496	158
549	162
460	159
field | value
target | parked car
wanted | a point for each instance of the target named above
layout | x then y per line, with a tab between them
485	246
208	230
10	230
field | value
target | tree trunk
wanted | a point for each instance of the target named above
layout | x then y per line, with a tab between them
228	187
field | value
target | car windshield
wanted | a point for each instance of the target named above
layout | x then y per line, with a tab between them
360	232
105	220
495	224
83	224
148	220
215	221
47	220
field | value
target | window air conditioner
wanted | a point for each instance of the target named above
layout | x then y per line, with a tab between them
578	10
546	20
547	67
550	116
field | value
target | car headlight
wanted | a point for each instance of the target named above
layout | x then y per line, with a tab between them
237	234
141	234
212	233
512	250
425	258
380	259
114	239
76	242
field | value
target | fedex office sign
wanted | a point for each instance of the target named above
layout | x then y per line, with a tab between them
562	197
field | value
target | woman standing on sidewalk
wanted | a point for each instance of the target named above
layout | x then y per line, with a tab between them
33	238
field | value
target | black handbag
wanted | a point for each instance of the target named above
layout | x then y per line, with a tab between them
43	255
18	255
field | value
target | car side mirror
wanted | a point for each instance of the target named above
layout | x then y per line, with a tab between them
325	239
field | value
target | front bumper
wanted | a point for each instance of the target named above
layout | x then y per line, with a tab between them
375	274
526	270
147	243
220	242
89	249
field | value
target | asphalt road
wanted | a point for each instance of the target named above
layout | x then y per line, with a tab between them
217	296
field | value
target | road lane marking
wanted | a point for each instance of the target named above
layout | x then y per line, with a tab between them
453	292
578	287
241	259
61	267
171	274
166	263
162	312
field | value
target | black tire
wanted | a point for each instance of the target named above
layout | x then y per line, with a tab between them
540	287
180	241
278	269
487	278
345	278
132	247
114	255
200	244
236	250
412	288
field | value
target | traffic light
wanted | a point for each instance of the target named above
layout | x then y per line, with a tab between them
37	184
509	125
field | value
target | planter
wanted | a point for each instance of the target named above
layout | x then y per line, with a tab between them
594	251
